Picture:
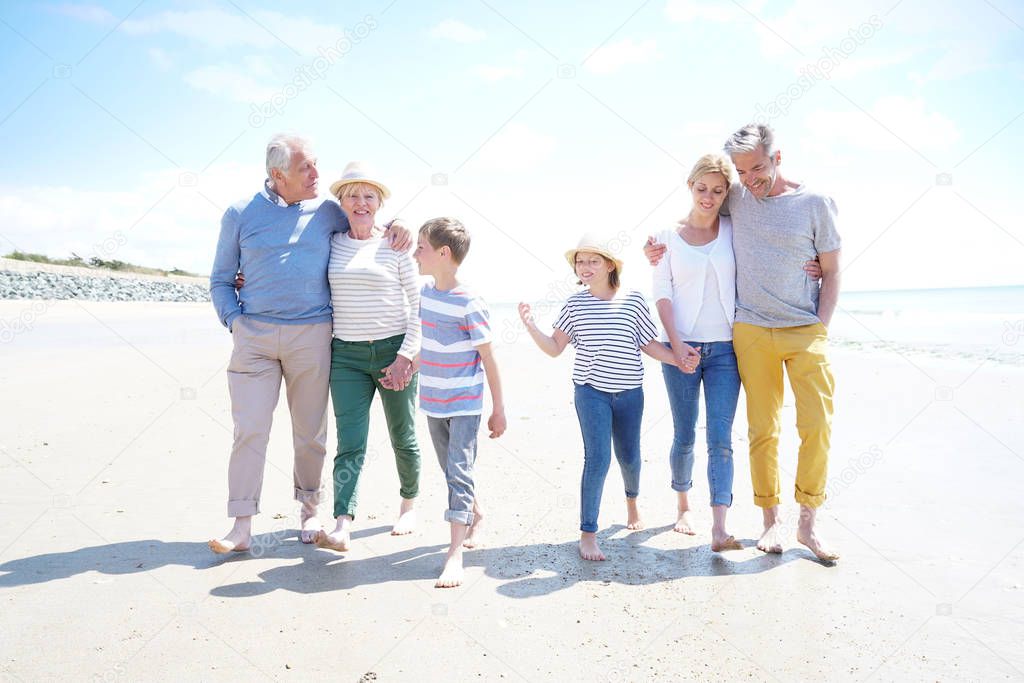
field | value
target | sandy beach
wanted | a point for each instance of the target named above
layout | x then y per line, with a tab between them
113	458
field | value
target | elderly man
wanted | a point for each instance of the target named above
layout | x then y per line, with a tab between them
782	316
280	322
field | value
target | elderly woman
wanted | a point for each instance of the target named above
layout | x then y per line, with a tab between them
375	295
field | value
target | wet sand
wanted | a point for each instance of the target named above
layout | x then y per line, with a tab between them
113	458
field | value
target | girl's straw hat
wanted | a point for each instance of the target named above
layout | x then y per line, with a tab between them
593	244
358	172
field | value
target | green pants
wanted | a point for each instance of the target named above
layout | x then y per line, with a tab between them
355	377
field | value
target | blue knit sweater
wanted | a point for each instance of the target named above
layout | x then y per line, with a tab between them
283	251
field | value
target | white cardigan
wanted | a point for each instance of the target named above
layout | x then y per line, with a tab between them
681	274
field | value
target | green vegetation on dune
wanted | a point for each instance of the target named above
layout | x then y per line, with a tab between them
95	262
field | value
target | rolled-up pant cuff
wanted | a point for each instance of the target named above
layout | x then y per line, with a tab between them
458	517
682	488
243	508
809	499
307	497
722	499
766	501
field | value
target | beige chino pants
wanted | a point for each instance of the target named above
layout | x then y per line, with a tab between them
263	354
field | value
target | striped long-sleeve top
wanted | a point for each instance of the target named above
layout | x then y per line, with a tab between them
374	292
608	336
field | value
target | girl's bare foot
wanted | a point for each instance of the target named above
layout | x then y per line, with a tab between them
340	539
633	520
475	536
451	575
237	540
589	549
406	523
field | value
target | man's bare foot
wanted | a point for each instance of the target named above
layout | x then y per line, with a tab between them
589	549
340	539
237	540
805	534
451	575
311	525
770	542
723	541
683	524
633	520
475	535
406	523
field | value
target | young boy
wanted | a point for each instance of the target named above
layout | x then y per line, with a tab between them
456	344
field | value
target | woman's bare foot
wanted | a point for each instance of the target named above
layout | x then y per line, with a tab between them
805	534
633	520
451	575
237	540
475	535
340	539
311	525
683	523
720	538
771	541
406	523
589	549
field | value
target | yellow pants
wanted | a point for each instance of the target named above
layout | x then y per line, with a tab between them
761	352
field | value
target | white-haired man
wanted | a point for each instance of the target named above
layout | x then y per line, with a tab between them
782	318
280	323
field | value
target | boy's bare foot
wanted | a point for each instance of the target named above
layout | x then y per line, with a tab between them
237	540
338	540
683	524
311	525
633	520
475	535
723	541
805	534
589	549
406	523
451	575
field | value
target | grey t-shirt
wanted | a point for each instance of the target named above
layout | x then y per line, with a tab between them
772	238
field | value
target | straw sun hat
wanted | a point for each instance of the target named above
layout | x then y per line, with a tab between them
593	244
358	172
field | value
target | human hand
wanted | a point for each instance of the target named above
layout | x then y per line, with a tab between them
526	314
239	280
813	269
399	236
654	250
687	358
397	375
497	424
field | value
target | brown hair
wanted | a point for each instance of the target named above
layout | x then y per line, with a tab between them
447	232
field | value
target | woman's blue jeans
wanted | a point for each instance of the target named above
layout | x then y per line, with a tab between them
717	370
607	418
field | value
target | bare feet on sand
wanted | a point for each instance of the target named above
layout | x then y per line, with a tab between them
339	539
723	541
633	520
771	540
311	526
406	523
237	540
805	534
684	524
452	574
589	549
475	535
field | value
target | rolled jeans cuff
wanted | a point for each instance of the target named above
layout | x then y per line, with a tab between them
243	508
682	488
722	499
459	517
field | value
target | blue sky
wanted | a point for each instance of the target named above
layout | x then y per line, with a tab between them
129	127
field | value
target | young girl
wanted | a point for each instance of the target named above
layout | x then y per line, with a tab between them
609	328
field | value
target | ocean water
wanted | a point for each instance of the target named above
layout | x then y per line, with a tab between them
975	322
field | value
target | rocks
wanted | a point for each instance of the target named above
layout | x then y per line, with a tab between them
43	285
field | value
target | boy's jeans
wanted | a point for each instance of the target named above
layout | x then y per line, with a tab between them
606	418
455	440
717	370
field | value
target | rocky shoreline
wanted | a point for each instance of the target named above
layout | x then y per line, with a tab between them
24	280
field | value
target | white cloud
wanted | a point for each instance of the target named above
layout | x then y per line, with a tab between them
249	82
516	147
160	58
261	29
93	14
612	57
451	29
493	74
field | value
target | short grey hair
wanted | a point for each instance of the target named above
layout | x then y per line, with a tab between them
749	138
280	150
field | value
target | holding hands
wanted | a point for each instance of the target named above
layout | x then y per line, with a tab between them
397	375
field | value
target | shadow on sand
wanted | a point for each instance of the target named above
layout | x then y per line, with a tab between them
524	570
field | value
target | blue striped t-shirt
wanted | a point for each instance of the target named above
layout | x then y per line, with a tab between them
451	373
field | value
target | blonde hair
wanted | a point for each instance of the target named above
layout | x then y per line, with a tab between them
711	163
350	189
447	232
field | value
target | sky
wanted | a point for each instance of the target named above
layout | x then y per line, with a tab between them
129	127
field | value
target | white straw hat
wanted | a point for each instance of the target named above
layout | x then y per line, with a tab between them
358	172
593	244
